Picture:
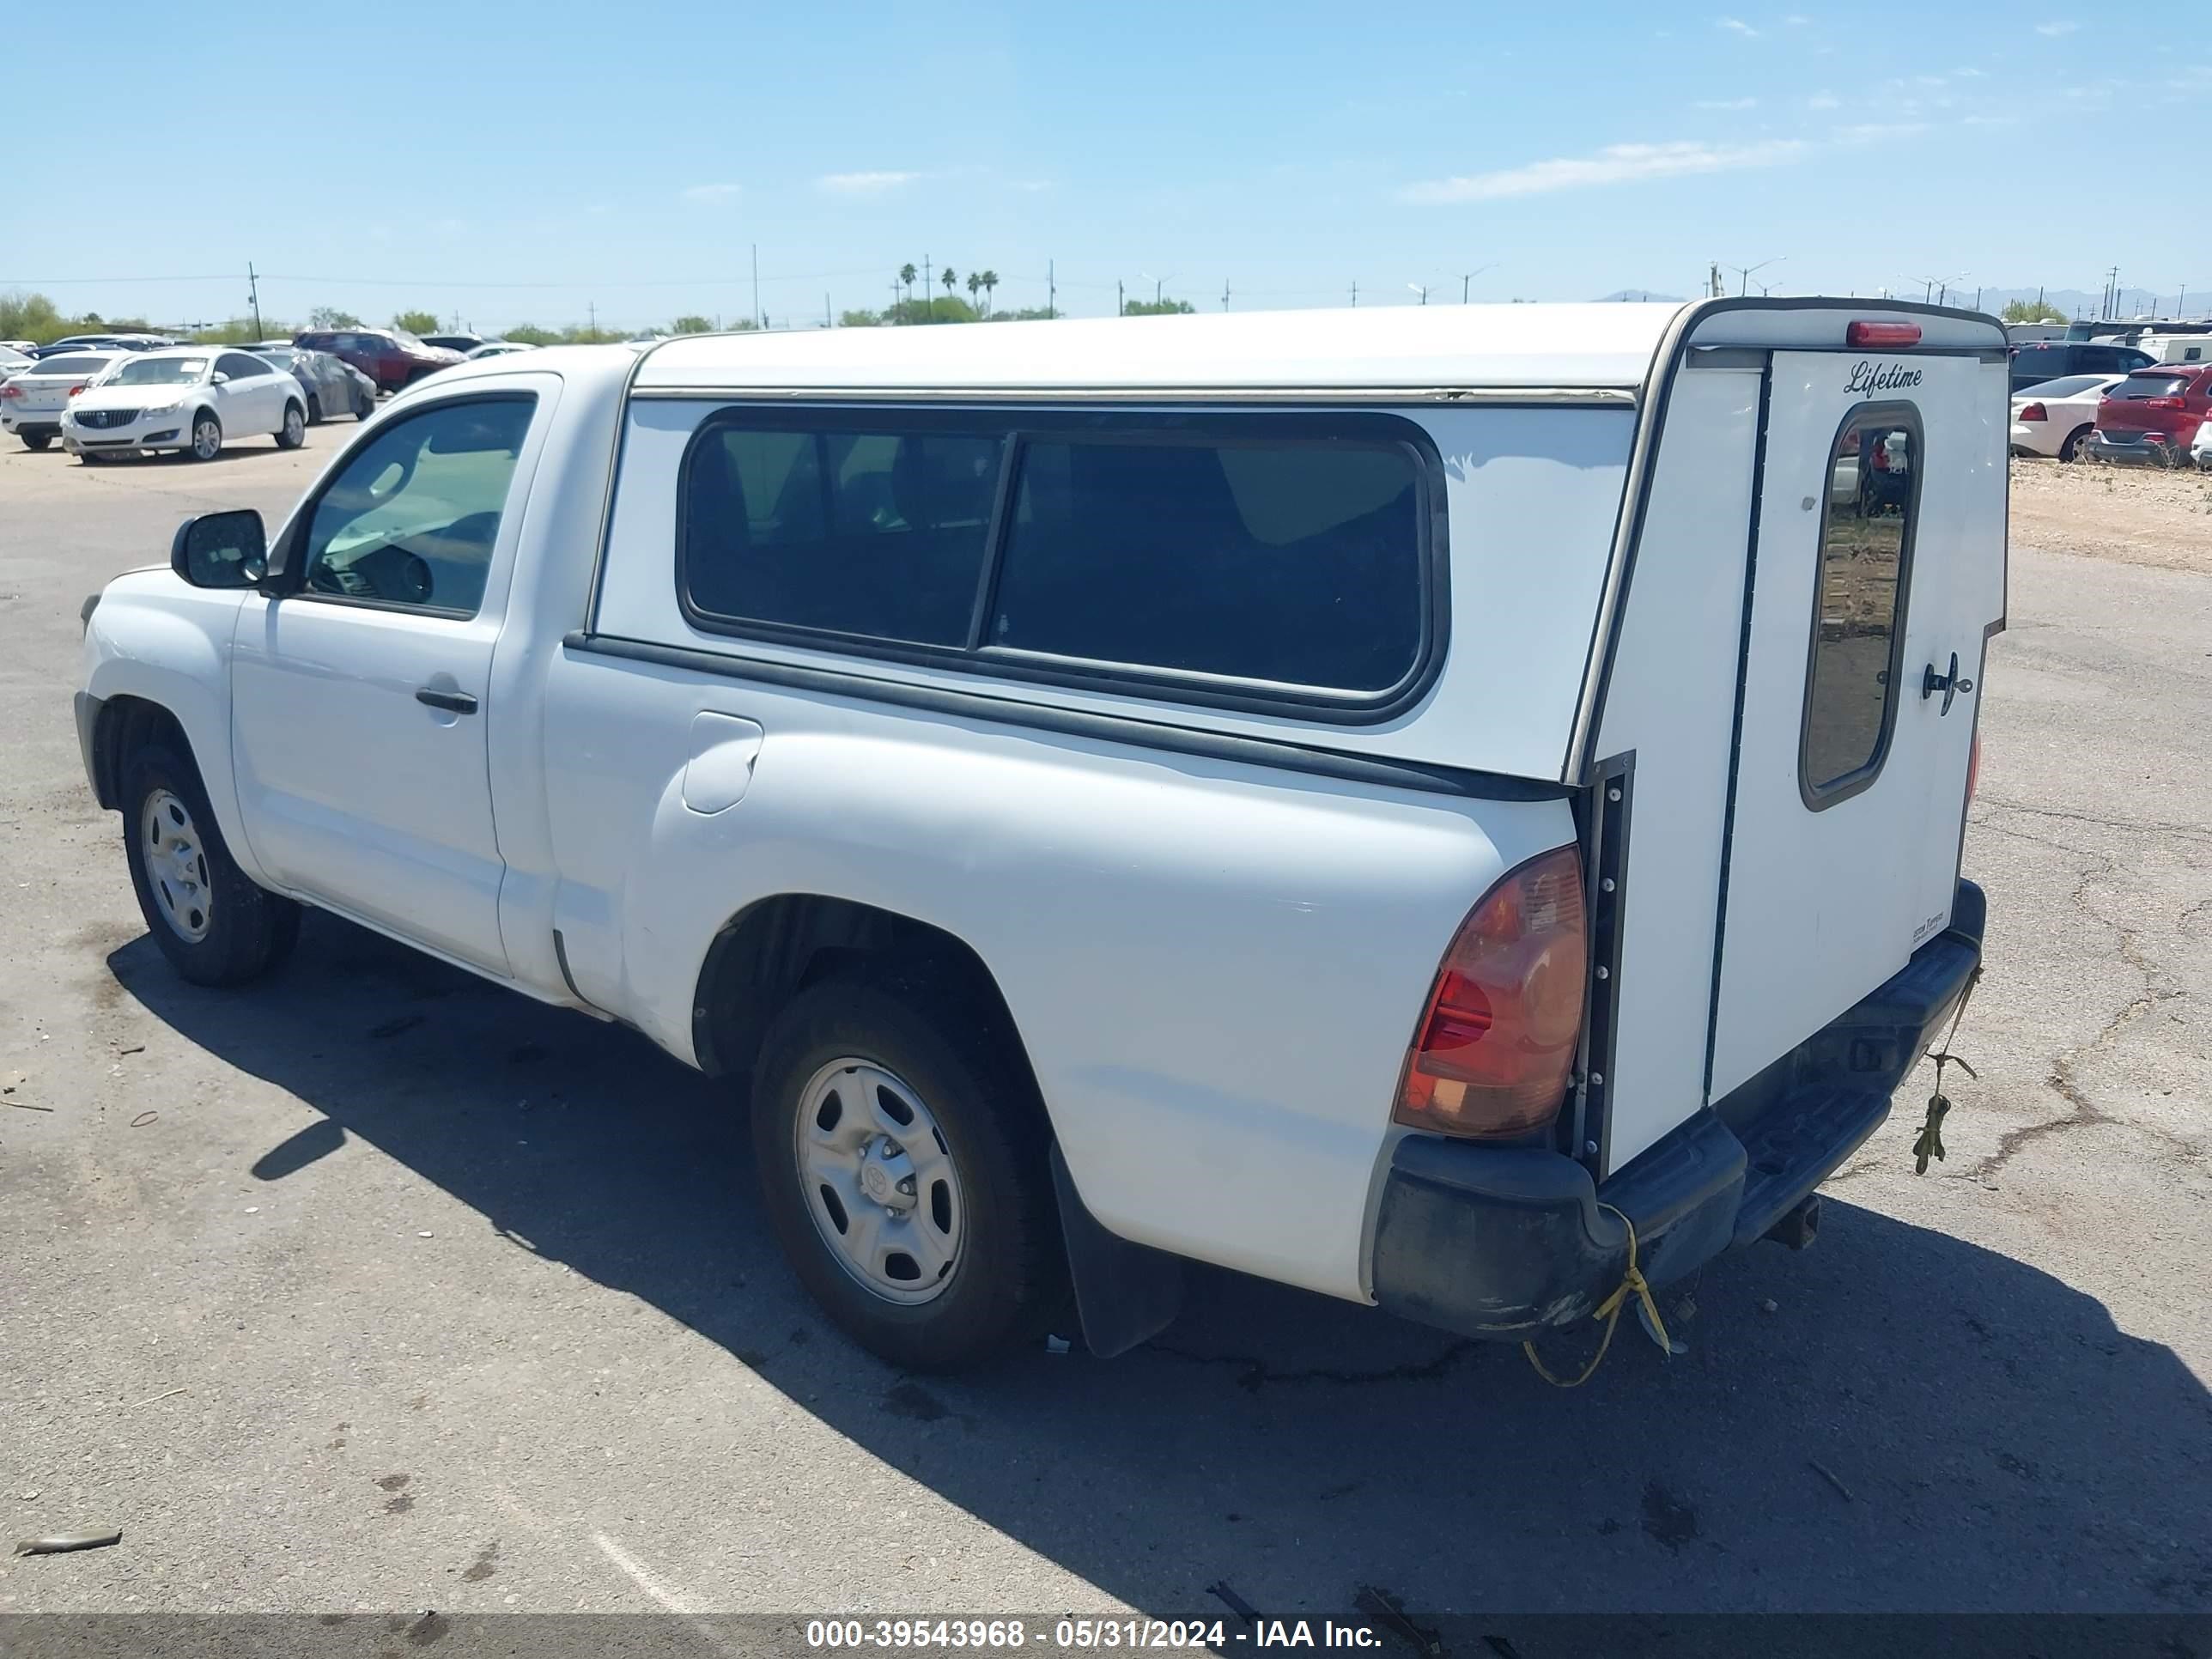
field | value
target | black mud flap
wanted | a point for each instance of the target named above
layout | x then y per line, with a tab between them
1126	1293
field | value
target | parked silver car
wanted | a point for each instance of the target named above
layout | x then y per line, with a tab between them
334	386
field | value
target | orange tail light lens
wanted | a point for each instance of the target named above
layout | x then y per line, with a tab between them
1496	1041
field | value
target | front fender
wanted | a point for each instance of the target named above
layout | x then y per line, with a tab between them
158	639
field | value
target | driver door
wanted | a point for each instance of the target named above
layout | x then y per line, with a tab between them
358	691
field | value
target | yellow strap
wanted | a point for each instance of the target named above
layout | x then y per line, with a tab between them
1633	1283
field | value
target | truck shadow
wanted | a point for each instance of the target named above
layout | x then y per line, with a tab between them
1896	1419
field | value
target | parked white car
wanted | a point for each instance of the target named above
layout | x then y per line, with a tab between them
31	399
2200	451
13	362
188	398
1117	792
2056	417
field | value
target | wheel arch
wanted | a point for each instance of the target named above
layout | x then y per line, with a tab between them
778	945
125	723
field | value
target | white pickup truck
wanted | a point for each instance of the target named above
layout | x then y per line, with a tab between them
1387	800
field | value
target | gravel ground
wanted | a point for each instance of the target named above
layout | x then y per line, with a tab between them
378	1288
2128	514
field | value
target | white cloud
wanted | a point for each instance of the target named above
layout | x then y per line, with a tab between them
1871	133
712	192
865	183
1728	103
1796	20
2061	26
1969	73
1613	165
1823	100
1737	24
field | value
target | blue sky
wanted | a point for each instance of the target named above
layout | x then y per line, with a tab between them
524	162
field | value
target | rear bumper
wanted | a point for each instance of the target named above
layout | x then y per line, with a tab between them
1504	1241
2160	448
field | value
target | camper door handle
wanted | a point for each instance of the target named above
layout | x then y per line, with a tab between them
1949	684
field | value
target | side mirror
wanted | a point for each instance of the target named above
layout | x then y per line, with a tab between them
221	378
221	550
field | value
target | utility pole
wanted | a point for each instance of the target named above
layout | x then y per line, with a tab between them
1224	293
928	293
591	313
253	297
2111	293
1120	303
828	321
1355	293
1464	284
757	317
1051	293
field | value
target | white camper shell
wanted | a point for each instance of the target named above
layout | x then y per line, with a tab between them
1389	797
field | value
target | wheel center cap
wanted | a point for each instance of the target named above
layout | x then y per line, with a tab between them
876	1182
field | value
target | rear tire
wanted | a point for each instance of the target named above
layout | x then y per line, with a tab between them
36	440
2076	445
315	409
207	917
978	1190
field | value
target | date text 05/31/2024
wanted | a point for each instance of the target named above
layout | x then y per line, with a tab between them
990	1635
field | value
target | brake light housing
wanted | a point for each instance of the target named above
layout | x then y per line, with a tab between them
1495	1048
2032	412
1864	333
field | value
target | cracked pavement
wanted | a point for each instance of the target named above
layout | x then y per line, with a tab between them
378	1288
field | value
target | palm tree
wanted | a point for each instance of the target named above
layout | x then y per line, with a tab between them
905	278
990	282
975	287
950	281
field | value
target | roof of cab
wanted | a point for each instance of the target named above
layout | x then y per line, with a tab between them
1566	347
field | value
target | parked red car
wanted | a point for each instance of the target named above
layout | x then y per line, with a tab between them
390	357
2153	415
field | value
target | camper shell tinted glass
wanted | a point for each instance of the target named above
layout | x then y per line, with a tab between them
1865	571
1263	559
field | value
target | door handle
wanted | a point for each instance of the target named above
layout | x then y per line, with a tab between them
460	703
1949	684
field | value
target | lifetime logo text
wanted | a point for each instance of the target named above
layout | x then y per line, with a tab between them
1881	377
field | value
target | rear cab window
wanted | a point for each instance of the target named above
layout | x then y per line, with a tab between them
2150	383
1859	600
1260	559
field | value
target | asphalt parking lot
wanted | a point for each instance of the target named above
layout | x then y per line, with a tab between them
378	1288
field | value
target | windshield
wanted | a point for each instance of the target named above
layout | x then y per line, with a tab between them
280	355
2066	387
2138	386
405	337
159	371
72	365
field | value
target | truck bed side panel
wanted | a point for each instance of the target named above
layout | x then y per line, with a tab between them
1215	967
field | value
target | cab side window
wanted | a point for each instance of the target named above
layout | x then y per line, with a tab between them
412	518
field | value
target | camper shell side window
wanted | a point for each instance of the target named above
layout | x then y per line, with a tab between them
1290	562
1865	551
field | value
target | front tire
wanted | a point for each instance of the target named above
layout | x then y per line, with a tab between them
294	432
207	917
900	1147
207	437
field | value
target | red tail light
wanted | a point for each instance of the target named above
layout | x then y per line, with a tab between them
2165	403
10	392
2032	412
1496	1041
1882	334
74	389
